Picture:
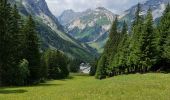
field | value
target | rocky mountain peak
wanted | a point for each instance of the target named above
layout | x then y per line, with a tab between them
36	7
88	26
101	8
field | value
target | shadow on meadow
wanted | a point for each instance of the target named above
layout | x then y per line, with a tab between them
21	89
7	91
18	89
44	85
67	78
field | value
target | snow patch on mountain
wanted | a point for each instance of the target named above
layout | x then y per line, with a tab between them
158	12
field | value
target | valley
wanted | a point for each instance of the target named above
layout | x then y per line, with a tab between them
84	50
92	25
82	87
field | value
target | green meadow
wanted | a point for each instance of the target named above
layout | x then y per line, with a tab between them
83	87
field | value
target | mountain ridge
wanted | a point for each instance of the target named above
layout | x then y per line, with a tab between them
83	32
51	32
157	7
88	26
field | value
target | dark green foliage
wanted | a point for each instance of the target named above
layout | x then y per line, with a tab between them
135	42
114	38
74	65
166	56
22	73
120	57
5	10
93	68
44	67
105	63
166	47
148	44
56	62
101	67
164	28
10	51
17	43
164	34
141	51
31	50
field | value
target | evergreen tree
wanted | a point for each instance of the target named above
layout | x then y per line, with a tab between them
20	71
104	63
112	45
74	65
56	63
93	67
18	36
5	60
134	57
137	52
166	53
44	67
148	43
113	42
122	49
10	51
164	32
101	68
31	51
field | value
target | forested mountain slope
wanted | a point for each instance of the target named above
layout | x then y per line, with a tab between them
51	31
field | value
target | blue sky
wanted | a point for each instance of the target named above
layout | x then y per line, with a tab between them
116	6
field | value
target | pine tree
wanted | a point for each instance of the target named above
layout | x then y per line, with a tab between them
114	37
166	47
104	64
122	49
10	51
134	57
112	45
19	72
8	60
101	68
17	41
164	27
93	67
164	32
31	51
148	44
56	63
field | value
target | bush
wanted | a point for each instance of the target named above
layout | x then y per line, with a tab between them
56	62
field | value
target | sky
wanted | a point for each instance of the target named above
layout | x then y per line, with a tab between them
116	6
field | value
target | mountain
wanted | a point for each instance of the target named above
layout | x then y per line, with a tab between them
157	6
92	26
51	31
67	16
89	26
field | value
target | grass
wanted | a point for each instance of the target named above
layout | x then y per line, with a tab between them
83	87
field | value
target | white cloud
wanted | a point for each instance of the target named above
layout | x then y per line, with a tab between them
116	6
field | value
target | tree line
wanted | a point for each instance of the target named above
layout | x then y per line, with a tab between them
144	48
21	62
